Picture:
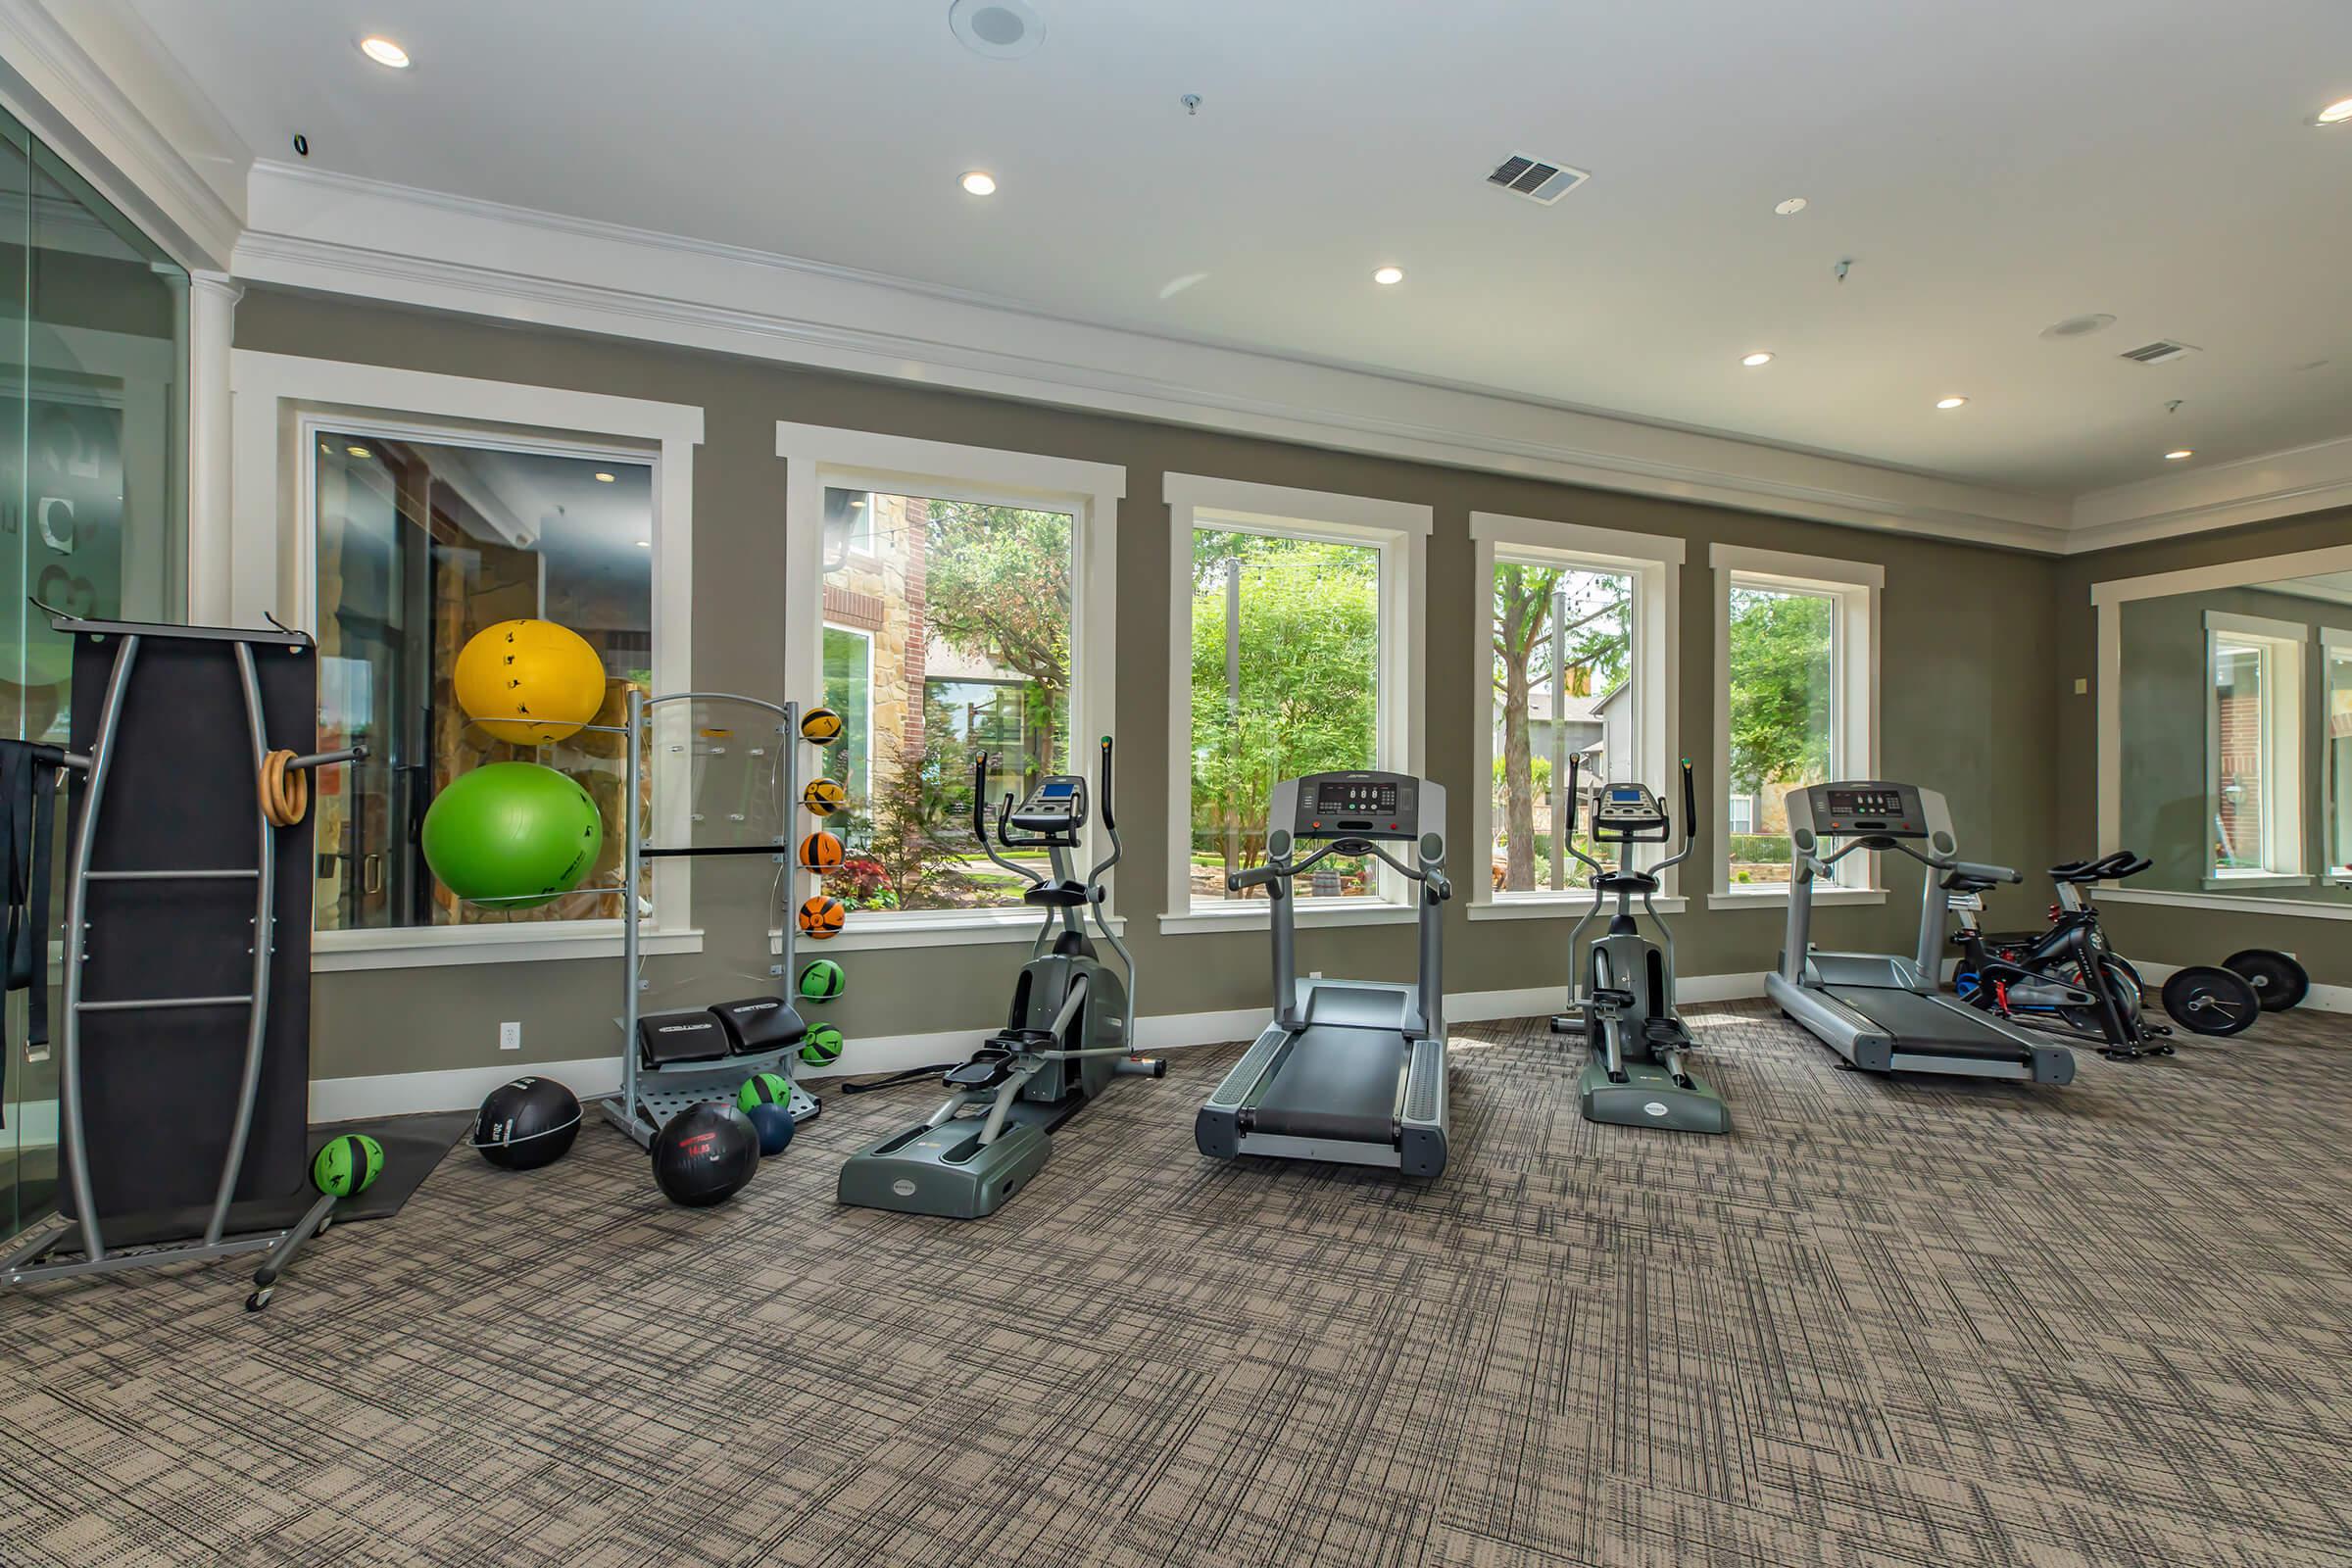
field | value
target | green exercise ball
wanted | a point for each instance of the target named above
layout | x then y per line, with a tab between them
512	835
347	1165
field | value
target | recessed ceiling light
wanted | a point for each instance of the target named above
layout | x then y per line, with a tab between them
1950	403
1791	206
1387	276
603	478
358	452
2336	114
1752	361
979	183
2177	453
645	544
384	52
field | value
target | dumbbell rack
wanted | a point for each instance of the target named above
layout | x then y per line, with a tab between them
138	1072
650	1096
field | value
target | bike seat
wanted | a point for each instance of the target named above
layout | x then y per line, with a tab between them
1956	882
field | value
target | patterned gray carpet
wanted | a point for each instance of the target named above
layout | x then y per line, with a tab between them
1885	1322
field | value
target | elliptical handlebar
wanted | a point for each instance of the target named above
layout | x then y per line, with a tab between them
1110	823
1569	841
1690	823
980	761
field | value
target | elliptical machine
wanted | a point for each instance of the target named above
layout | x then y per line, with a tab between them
1067	1033
1636	1074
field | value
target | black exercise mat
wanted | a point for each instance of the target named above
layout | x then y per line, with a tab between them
413	1146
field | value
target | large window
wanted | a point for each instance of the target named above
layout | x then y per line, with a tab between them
1295	650
2255	745
1563	693
1795	702
1285	682
419	545
1784	729
947	633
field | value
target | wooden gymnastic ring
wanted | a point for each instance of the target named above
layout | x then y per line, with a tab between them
285	795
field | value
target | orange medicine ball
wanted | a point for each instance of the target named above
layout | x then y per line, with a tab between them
822	918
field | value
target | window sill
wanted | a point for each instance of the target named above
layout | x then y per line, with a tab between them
1309	915
1778	898
1565	907
2223	881
431	947
868	930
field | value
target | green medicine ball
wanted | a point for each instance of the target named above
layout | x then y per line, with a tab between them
348	1164
823	981
764	1089
822	1044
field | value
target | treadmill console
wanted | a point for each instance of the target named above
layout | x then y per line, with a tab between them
1868	808
1367	806
1057	807
1358	805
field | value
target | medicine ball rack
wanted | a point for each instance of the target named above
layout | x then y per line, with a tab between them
141	1076
649	1095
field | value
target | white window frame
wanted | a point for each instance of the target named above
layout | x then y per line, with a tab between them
2280	645
820	457
1654	561
1399	530
2336	647
1854	588
262	560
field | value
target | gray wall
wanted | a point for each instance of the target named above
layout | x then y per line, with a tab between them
2177	934
1970	677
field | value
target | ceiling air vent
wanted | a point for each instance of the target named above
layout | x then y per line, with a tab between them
2158	353
1536	178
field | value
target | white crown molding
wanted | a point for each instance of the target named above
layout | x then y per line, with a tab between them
2226	495
106	117
341	235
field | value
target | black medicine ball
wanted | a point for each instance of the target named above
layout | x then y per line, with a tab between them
704	1155
526	1124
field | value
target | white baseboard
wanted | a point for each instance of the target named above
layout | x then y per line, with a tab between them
2323	998
462	1088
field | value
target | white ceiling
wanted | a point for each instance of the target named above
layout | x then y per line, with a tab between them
1990	167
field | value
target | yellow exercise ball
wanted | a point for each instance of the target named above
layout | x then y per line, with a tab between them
531	682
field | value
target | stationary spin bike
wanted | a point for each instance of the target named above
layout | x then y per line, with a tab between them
1636	1073
1070	1028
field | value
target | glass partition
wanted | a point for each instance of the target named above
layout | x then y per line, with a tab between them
93	354
2235	712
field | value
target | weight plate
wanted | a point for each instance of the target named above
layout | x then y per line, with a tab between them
2207	1000
2278	980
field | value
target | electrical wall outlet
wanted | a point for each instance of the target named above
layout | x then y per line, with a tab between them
509	1037
2081	686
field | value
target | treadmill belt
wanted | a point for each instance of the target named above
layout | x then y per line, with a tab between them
1924	1026
1337	1083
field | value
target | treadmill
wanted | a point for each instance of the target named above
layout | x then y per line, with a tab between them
1351	1071
1884	1012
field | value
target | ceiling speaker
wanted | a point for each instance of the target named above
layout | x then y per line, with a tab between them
1001	30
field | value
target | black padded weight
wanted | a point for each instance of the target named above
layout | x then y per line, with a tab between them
759	1023
663	1038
